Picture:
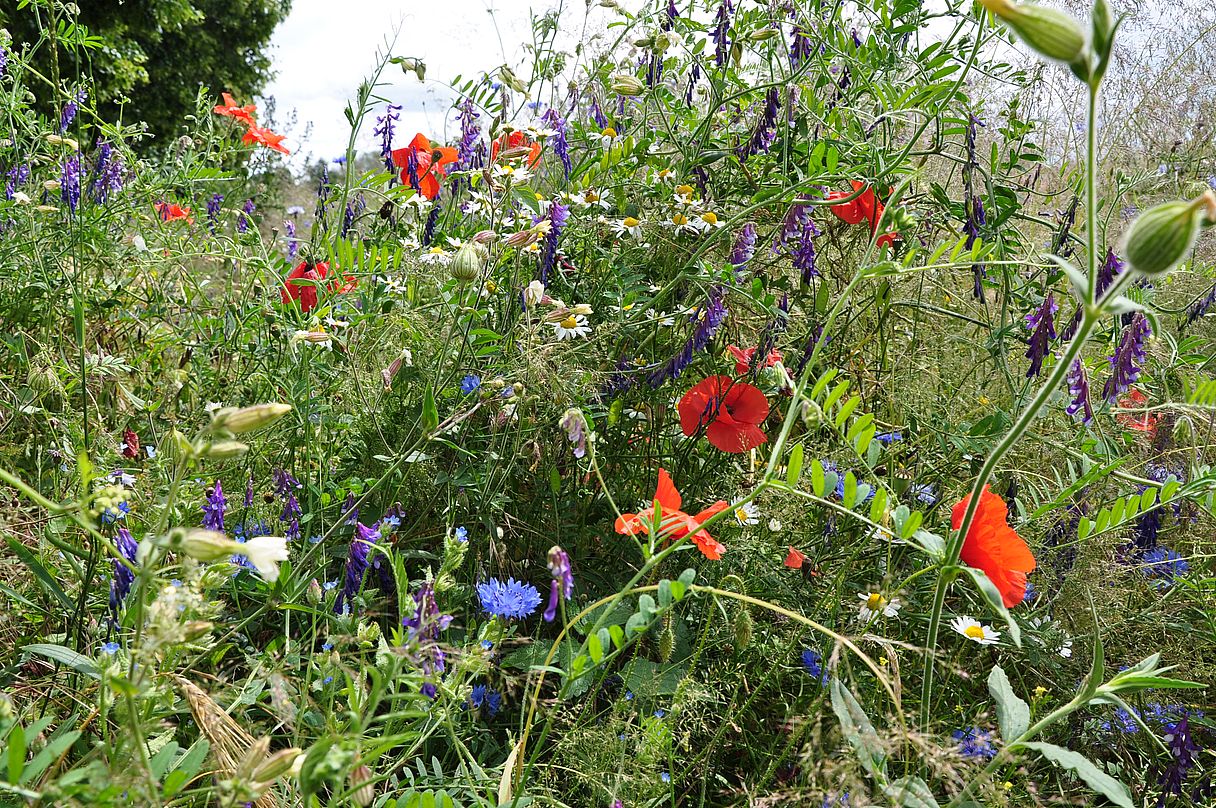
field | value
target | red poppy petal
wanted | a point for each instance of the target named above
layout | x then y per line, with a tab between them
849	212
794	559
736	438
428	186
695	404
421	143
666	494
747	404
712	510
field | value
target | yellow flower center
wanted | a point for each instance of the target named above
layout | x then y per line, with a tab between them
608	132
569	323
539	196
684	190
709	217
491	287
974	632
591	197
741	514
632	222
679	220
875	601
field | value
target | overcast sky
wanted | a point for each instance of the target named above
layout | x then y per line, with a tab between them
325	47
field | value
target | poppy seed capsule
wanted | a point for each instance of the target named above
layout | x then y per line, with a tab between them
466	266
1161	236
1052	33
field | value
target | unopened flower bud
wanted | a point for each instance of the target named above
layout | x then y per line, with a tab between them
361	781
314	593
743	629
225	449
1052	33
247	419
522	238
624	84
276	765
485	237
201	545
761	34
467	263
1161	236
198	628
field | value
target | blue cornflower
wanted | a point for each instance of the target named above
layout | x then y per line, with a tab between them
462	533
486	645
660	713
1164	563
923	492
483	696
110	648
1031	592
628	695
1122	721
111	515
975	743
470	383
330	585
327	646
888	438
812	660
508	600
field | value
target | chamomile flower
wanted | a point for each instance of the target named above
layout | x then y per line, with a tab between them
534	293
975	631
436	255
874	604
591	197
515	175
630	226
708	221
680	223
684	195
747	514
661	317
573	327
606	138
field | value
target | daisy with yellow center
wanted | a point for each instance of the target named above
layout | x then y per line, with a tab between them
747	514
630	225
875	604
681	224
607	138
709	221
573	326
975	631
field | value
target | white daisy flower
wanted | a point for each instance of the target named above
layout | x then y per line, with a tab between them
628	226
708	221
973	630
516	175
874	604
747	514
435	255
572	327
591	197
662	176
680	223
606	138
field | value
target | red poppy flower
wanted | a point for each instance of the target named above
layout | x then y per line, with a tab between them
265	137
428	164
302	283
172	212
743	358
1145	422
992	546
674	523
865	208
516	140
231	109
795	559
731	413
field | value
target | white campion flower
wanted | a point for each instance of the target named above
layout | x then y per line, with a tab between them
265	553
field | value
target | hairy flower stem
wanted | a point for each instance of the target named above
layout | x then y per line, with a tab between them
1093	313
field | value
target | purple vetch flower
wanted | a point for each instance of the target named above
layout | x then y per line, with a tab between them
1042	326
597	114
721	33
242	222
706	321
350	510
694	76
1184	756
293	244
575	425
1127	361
800	48
558	214
353	208
322	196
70	109
619	380
213	508
214	205
745	247
1111	268
3	61
249	492
973	206
1078	388
1200	307
120	586
856	38
283	483
69	182
798	241
808	350
109	173
551	120
562	585
765	129
423	628
428	229
356	565
16	176
384	131
470	136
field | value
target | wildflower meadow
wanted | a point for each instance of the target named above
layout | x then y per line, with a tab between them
734	403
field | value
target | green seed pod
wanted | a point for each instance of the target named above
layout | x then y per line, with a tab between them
743	629
1161	236
247	419
467	264
1052	33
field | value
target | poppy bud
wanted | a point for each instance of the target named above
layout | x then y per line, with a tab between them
743	629
466	266
1161	236
761	34
1052	33
624	84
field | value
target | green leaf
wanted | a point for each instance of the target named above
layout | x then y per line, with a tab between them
818	483
911	792
1084	768
858	730
430	412
665	593
16	753
1012	714
993	596
595	648
64	656
793	470
47	580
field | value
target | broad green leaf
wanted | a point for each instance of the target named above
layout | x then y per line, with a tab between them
1084	768
911	792
1012	714
64	656
818	482
793	470
858	730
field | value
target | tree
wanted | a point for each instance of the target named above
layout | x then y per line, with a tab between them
148	58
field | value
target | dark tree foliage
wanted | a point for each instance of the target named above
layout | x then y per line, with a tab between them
149	58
